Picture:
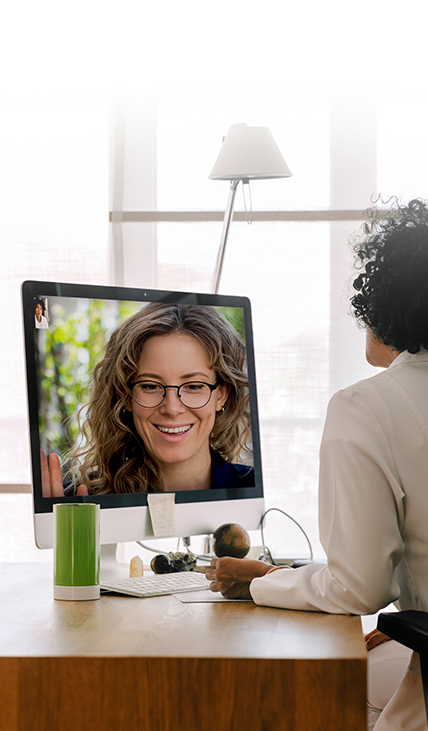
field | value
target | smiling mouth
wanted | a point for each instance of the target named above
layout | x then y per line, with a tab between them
174	430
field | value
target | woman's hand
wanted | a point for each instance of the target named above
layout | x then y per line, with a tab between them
52	477
375	638
232	576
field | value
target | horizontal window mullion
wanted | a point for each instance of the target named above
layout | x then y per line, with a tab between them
12	488
209	216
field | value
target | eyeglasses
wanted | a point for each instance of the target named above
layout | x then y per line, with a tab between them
193	394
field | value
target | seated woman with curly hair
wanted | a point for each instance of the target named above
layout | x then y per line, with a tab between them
169	409
373	484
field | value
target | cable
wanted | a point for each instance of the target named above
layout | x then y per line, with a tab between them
149	548
265	548
185	540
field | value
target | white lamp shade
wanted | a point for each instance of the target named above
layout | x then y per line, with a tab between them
249	153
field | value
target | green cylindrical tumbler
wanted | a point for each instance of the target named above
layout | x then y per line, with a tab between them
76	543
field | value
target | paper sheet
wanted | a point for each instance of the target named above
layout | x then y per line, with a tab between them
205	595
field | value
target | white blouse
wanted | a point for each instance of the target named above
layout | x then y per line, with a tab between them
373	501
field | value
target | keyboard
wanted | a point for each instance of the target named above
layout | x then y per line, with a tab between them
157	584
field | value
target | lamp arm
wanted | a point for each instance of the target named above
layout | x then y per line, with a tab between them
222	248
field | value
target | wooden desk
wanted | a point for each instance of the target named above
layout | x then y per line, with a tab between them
161	665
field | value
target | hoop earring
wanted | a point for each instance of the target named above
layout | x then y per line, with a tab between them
122	418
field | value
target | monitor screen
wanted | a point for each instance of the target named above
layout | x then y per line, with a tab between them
136	391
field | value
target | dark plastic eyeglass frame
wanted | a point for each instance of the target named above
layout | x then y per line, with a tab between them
211	386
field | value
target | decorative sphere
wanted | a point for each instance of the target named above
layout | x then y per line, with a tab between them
231	539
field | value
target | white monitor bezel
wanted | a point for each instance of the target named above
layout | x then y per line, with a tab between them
126	517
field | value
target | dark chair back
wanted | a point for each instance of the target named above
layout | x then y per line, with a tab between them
410	628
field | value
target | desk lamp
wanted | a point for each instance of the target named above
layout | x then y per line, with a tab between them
248	153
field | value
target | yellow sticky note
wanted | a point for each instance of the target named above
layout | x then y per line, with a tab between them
162	513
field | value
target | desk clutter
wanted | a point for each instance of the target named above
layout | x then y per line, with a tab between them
177	572
229	539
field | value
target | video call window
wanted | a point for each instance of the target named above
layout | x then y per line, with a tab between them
69	347
41	317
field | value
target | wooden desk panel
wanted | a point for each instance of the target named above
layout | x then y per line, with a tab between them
157	664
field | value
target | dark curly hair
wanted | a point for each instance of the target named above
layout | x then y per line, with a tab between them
392	286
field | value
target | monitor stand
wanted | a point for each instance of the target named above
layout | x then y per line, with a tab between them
109	566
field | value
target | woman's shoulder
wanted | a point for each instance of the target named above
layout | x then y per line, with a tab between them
226	475
402	369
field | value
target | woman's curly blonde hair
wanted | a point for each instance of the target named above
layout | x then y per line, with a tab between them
112	457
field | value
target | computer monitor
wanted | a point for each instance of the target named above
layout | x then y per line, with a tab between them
67	327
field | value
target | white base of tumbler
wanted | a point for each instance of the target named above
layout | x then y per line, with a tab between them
76	593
